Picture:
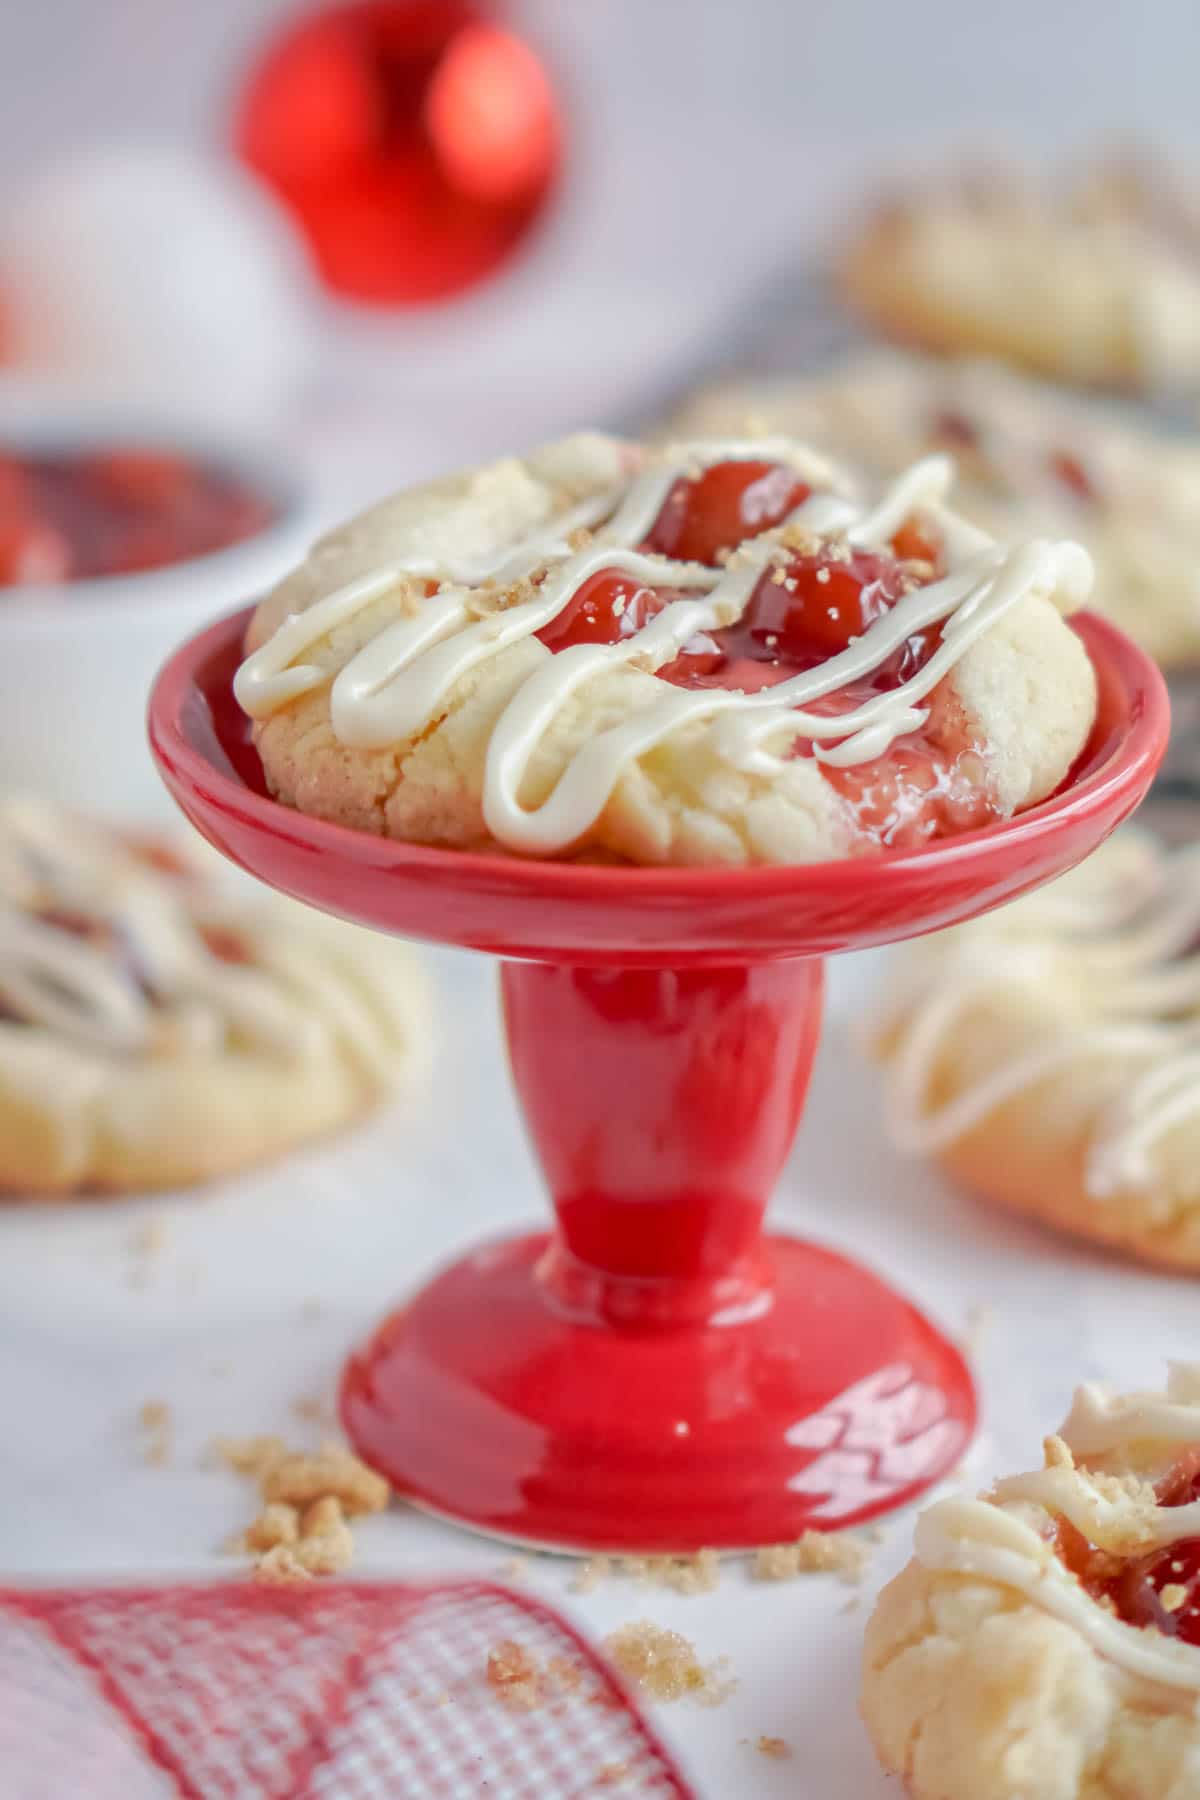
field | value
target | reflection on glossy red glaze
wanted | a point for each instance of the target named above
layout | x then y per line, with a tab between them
718	509
72	517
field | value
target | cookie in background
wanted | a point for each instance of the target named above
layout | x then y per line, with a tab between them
1094	280
1030	460
158	1029
1047	1055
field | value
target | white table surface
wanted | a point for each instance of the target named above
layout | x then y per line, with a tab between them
217	1322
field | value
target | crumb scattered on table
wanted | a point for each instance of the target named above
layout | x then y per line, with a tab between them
664	1665
814	1553
302	1529
775	1747
154	1420
697	1573
613	1774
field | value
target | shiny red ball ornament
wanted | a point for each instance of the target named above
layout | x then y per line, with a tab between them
415	142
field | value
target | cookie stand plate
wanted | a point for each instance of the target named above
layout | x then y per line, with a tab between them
655	1373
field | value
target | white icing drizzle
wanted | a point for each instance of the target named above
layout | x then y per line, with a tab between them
394	686
1125	929
143	981
1004	1538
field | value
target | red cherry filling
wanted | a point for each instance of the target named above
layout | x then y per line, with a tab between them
70	517
604	609
1162	1589
717	510
806	608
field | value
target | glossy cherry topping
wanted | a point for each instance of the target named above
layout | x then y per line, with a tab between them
808	606
721	507
74	516
604	609
1162	1589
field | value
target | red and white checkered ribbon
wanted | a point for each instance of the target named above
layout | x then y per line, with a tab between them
337	1692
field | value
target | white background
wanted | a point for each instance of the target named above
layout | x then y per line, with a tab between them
708	140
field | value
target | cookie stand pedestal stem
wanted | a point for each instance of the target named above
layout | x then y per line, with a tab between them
655	1374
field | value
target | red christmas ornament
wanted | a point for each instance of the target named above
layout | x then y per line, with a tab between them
415	142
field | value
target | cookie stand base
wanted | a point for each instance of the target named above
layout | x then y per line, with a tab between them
654	1374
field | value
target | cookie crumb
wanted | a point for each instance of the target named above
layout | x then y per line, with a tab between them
590	1574
664	1665
1057	1453
326	1543
613	1774
777	1748
699	1573
315	1409
514	1677
302	1476
281	1567
154	1419
813	1553
1173	1596
275	1524
251	1455
302	1529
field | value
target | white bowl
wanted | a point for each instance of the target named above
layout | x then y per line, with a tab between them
77	660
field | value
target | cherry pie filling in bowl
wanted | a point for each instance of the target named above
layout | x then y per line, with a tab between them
117	509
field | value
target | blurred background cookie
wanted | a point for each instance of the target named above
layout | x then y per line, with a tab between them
1031	460
1047	1056
1095	282
156	1030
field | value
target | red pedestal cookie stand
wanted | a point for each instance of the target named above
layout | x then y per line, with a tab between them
655	1374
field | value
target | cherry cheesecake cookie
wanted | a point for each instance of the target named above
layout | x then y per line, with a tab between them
1032	462
156	1031
1095	283
1047	1055
1044	1642
711	652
